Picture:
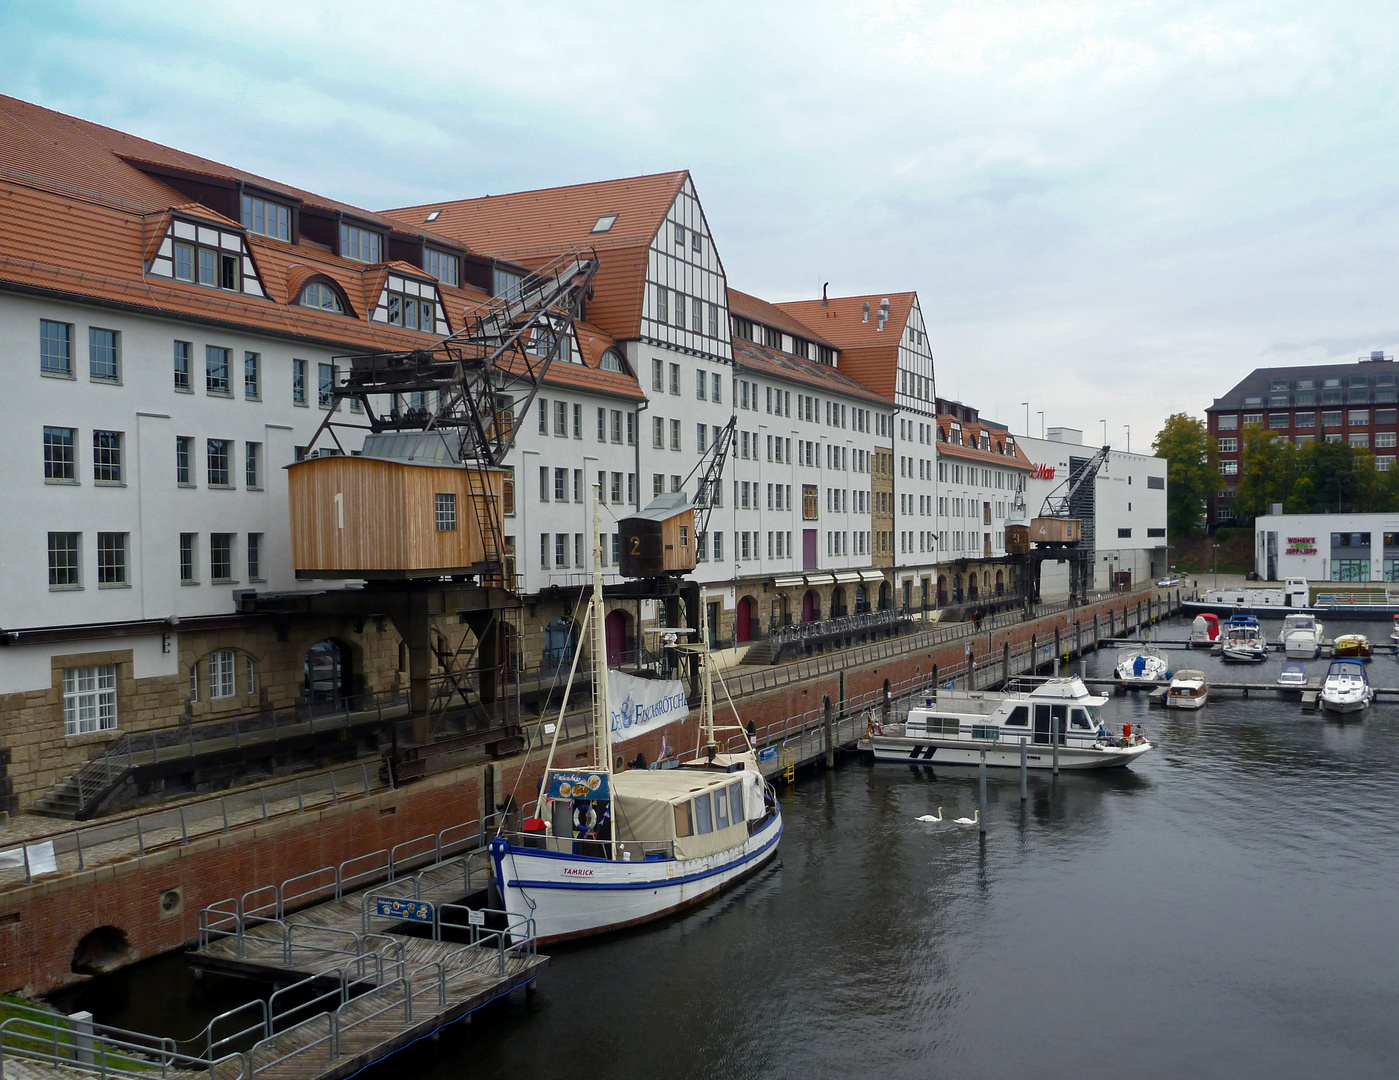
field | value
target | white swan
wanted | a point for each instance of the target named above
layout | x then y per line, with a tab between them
975	819
929	817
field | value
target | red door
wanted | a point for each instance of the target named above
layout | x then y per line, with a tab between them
743	628
809	606
808	549
615	629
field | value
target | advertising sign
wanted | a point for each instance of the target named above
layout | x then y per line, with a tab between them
395	907
578	785
642	705
1301	545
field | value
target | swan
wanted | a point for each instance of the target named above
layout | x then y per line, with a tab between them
929	817
969	820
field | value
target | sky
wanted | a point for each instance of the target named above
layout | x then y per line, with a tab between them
1113	211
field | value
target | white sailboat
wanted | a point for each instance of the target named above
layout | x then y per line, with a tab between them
609	849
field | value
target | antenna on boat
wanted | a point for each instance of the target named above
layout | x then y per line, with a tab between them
602	712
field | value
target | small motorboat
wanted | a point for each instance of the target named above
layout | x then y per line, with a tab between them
1292	679
1243	640
1300	636
1394	634
1346	688
1204	631
1141	666
1352	647
1188	690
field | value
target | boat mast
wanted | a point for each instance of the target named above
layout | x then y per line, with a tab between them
706	684
602	713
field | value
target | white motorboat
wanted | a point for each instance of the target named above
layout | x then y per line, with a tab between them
1346	687
1300	636
1243	640
1141	665
1394	634
608	849
955	727
1188	690
1204	630
1292	679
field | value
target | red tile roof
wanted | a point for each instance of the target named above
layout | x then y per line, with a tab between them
867	353
973	430
747	306
758	359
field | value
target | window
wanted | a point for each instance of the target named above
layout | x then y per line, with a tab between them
506	282
611	361
106	457
680	310
360	244
701	432
1229	468
184	445
1384	438
325	385
543	484
1278	421
63	560
55	348
657	375
266	218
221	556
1228	423
319	295
617	427
605	223
577	485
675	379
89	699
697	316
111	558
657	433
441	265
1304	420
1331	418
59	460
1358	417
713	320
216	370
252	466
102	355
1157	482
1362	439
675	434
1385	416
298	382
810	502
446	511
413	312
1229	445
221	677
578	421
1124	534
202	265
507	493
662	308
254	558
561	549
561	485
187	542
217	454
716	388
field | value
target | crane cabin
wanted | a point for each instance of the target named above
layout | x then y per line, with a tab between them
660	539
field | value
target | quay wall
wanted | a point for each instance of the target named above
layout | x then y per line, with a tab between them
43	924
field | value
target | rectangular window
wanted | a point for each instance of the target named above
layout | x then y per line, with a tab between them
675	434
252	380
578	421
217	452
713	320
1229	445
701	384
102	355
1124	534
1384	438
221	556
1228	423
716	388
543	483
1229	468
441	266
675	379
1358	417
59	459
182	365
63	560
1331	418
617	427
697	316
55	348
266	218
325	385
701	433
561	549
561	419
544	416
221	676
184	447
617	488
561	485
1362	439
111	558
657	433
298	382
577	485
254	556
1304	420
360	244
89	699
680	310
1278	421
215	369
657	484
811	503
662	308
187	548
446	511
252	466
106	457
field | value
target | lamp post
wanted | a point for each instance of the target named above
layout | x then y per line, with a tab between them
1216	566
1105	431
1128	427
1027	418
1041	412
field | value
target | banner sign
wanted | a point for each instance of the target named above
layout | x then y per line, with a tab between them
642	705
1301	545
394	907
578	785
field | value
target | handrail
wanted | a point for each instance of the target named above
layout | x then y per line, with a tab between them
104	1050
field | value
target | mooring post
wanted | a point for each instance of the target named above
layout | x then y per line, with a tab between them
1055	734
1024	773
1096	636
971	668
830	741
1005	663
1058	650
981	805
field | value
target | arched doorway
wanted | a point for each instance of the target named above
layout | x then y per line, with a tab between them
862	600
884	596
837	602
956	588
811	606
328	672
971	586
615	629
743	621
560	639
942	590
1000	583
986	582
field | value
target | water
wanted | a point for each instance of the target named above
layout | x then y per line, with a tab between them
1222	908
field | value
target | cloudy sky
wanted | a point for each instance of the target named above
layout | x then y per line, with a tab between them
1113	210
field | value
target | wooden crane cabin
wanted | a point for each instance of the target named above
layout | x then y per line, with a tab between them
660	539
402	508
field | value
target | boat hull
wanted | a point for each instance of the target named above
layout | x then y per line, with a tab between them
1186	702
1244	656
926	751
1345	706
573	896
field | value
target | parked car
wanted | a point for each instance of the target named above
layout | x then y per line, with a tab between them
1168	582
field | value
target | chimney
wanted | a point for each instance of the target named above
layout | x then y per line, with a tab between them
824	301
883	313
865	317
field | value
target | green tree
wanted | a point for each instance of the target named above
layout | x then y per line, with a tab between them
1269	469
1192	471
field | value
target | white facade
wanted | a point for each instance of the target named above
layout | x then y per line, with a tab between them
1354	548
1129	509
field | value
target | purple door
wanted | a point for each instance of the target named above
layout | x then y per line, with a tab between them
808	549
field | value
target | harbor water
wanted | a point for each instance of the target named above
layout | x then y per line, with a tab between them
1225	907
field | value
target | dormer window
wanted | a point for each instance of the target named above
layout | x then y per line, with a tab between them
217	258
206	266
360	244
506	283
322	297
801	347
266	218
611	361
826	355
1009	445
441	265
605	223
411	304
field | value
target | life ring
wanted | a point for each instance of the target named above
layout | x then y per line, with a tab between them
584	818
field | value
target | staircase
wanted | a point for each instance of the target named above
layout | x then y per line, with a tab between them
762	653
80	795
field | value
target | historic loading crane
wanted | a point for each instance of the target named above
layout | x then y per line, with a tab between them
1064	531
416	510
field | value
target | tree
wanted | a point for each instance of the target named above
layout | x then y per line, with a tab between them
1268	472
1192	473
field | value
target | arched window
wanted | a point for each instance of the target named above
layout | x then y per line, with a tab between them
318	294
612	361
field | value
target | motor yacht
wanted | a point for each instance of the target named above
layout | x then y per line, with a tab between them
1141	665
1300	636
1188	690
1243	640
1346	688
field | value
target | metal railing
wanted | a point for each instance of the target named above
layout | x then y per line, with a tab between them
842	624
150	830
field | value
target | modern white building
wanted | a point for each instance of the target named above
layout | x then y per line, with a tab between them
1356	548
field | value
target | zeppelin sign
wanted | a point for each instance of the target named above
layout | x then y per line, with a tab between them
1301	545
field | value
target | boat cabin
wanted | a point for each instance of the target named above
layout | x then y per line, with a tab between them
1062	706
660	539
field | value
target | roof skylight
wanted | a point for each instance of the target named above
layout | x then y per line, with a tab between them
432	217
605	223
